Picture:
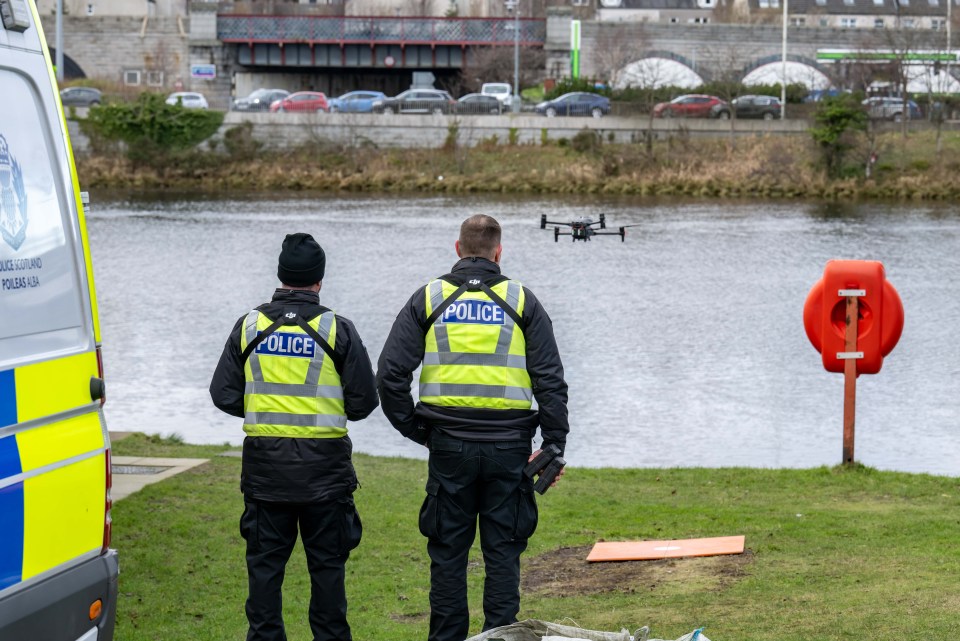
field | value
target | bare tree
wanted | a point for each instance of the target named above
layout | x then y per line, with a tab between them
615	47
495	64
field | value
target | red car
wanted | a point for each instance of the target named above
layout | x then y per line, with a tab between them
688	106
302	101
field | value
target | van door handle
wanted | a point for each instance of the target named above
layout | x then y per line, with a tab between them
98	389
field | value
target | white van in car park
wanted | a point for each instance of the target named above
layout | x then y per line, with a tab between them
502	91
58	575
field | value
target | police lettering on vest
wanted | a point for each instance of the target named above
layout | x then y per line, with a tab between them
287	344
480	312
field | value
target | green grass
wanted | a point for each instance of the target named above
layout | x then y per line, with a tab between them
833	553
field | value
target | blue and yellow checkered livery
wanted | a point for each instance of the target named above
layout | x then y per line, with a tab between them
52	468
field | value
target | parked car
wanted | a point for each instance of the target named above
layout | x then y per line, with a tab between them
260	100
476	103
765	107
356	101
188	99
311	101
502	91
688	106
891	108
577	103
817	95
80	97
416	101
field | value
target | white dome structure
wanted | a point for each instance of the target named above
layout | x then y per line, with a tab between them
797	72
651	73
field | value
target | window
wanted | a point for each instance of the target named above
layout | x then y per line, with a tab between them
848	23
878	23
764	4
934	3
89	8
155	78
821	3
937	24
702	20
798	22
131	77
849	3
38	243
824	22
674	20
878	3
581	3
909	23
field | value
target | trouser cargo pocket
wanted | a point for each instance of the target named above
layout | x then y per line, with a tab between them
527	515
351	528
430	513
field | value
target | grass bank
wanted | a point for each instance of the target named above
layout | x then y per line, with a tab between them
762	167
833	554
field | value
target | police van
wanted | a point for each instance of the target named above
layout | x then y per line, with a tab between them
58	575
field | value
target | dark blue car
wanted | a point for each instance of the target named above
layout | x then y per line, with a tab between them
358	102
577	103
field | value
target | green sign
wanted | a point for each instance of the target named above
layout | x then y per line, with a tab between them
574	49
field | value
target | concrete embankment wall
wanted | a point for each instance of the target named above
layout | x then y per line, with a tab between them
280	131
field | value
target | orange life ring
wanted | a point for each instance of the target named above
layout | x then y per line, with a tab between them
880	318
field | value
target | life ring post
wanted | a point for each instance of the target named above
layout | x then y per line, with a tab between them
850	356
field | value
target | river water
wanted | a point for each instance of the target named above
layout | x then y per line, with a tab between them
683	346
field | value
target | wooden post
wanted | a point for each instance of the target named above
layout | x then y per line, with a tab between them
850	379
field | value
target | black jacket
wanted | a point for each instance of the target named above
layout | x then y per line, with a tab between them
403	353
298	470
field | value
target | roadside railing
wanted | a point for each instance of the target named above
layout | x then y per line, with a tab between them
341	29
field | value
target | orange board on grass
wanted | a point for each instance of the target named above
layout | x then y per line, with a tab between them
645	550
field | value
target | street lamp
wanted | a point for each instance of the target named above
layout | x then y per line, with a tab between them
783	66
514	5
59	41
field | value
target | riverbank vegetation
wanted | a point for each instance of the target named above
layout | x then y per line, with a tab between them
678	165
150	145
831	553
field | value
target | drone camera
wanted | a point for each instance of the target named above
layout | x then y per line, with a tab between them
603	221
623	234
543	221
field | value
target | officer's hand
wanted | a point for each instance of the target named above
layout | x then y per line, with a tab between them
563	470
533	456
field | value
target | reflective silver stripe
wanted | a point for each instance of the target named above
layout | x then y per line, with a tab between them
316	364
249	333
483	391
80	410
297	420
16	478
293	389
458	358
439	329
506	331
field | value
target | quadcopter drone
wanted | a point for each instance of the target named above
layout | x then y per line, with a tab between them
582	228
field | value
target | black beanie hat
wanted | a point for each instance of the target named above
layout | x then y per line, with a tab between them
302	261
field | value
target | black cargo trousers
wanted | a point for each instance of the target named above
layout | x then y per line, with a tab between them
467	480
329	531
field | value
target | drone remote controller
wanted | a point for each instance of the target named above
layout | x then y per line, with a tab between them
548	463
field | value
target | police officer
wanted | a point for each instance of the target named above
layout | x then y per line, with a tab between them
296	372
487	349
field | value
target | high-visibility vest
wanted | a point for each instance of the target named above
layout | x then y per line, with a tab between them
292	386
475	354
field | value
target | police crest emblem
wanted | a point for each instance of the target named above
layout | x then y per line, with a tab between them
13	198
